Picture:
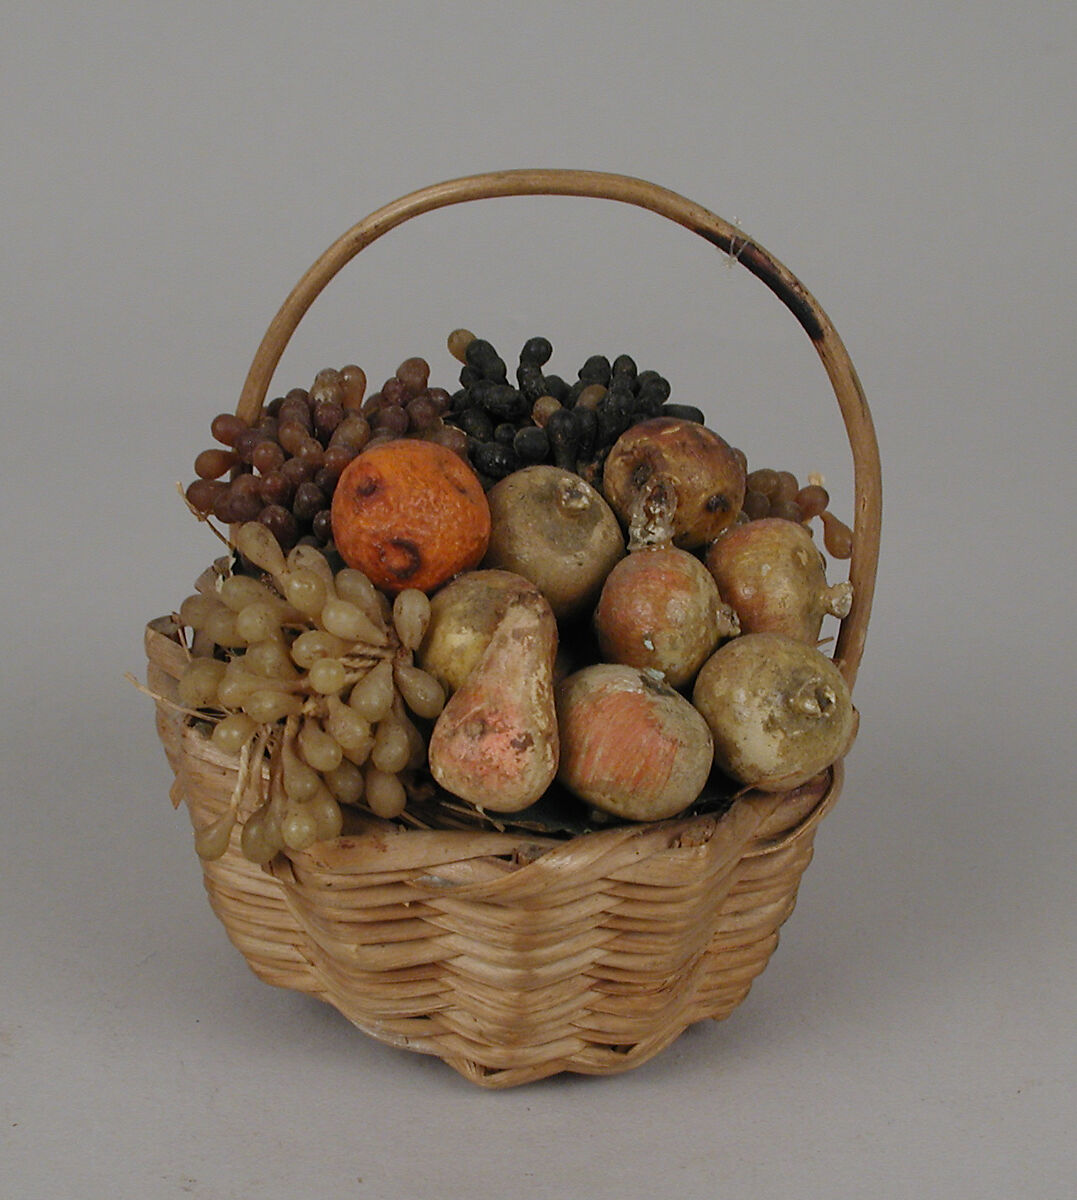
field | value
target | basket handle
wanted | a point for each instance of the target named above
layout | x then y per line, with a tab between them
726	237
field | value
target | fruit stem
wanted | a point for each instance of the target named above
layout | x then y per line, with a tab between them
838	600
650	518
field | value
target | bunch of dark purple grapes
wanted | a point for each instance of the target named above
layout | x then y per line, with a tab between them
545	419
283	469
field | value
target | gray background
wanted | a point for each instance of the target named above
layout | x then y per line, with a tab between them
168	172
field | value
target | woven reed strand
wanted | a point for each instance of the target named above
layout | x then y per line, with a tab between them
509	957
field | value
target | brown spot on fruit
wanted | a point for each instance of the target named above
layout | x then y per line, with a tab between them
403	558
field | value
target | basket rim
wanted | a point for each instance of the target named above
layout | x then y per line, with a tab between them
753	808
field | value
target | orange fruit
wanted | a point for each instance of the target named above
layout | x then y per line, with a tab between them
410	514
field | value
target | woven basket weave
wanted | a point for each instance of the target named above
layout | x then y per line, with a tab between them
509	956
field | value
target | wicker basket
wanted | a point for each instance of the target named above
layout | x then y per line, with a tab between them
514	957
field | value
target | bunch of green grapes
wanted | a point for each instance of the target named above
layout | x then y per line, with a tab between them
310	672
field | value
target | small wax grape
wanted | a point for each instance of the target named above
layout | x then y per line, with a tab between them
292	434
788	510
240	681
212	464
312	452
391	419
353	385
764	480
354	586
414	374
787	488
327	676
203	494
237	591
267	706
337	458
348	621
306	591
296	406
422	414
416	741
275	490
313	559
211	841
837	536
257	841
755	505
411	616
309	501
372	696
353	433
392	746
280	522
195	609
544	408
328	411
300	780
226	427
328	818
394	392
199	682
422	693
319	749
244	500
267	456
384	793
258	622
315	644
270	659
590	396
812	500
258	545
451	438
299	828
458	342
326	377
345	782
221	627
237	684
233	733
354	735
440	399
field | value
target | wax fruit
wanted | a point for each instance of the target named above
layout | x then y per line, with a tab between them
779	711
773	575
553	528
661	608
630	745
410	514
674	479
496	741
463	617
